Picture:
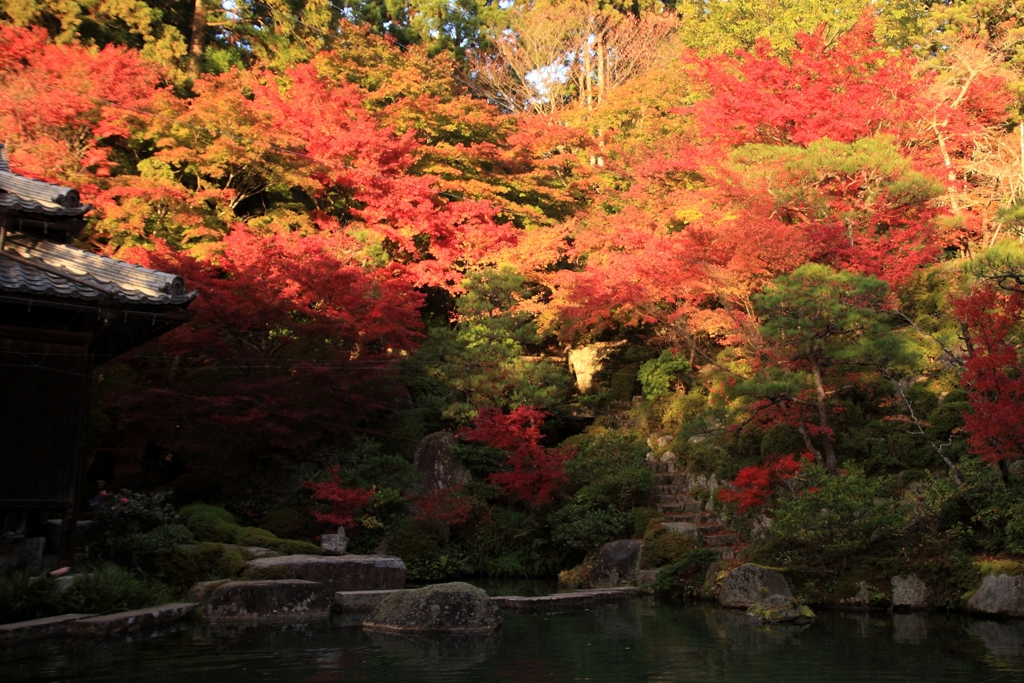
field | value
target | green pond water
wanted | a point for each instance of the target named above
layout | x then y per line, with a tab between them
636	640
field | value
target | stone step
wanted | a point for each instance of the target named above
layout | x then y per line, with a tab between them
37	629
669	489
679	508
339	573
665	499
720	539
694	518
129	622
579	599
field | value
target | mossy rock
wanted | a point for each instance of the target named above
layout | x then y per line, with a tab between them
779	609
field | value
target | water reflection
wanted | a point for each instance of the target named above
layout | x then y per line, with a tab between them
637	640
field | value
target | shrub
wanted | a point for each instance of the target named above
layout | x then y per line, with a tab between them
642	518
232	562
181	567
132	527
109	588
579	526
24	597
209	523
685	579
836	518
661	375
251	536
663	548
217	515
609	470
290	547
284	523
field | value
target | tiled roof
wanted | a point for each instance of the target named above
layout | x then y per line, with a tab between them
34	196
33	265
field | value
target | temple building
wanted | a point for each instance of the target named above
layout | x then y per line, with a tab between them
63	311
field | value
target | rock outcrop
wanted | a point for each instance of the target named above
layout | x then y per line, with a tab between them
616	563
442	608
345	573
909	592
749	583
437	463
999	595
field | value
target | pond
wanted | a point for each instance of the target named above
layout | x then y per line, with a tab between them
637	640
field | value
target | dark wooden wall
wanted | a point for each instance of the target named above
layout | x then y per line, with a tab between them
44	400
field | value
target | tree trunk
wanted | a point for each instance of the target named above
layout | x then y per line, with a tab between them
197	42
601	53
826	441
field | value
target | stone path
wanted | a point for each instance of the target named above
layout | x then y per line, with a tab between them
682	513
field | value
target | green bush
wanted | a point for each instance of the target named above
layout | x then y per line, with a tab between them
661	375
579	526
642	518
509	543
183	566
210	523
835	519
290	547
251	536
284	522
132	527
608	469
232	562
685	579
217	515
98	590
662	548
109	588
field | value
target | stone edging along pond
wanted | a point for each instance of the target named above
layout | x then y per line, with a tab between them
369	581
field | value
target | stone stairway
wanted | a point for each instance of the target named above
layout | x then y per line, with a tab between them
682	513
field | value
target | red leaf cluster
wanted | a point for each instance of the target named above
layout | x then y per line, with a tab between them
535	473
347	501
755	485
448	506
993	372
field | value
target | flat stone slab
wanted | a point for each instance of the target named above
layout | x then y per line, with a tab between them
129	622
455	607
581	599
37	629
360	602
344	573
284	600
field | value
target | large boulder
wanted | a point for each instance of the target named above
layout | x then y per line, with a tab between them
437	463
345	573
778	609
1001	595
749	583
442	608
616	562
909	592
286	600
